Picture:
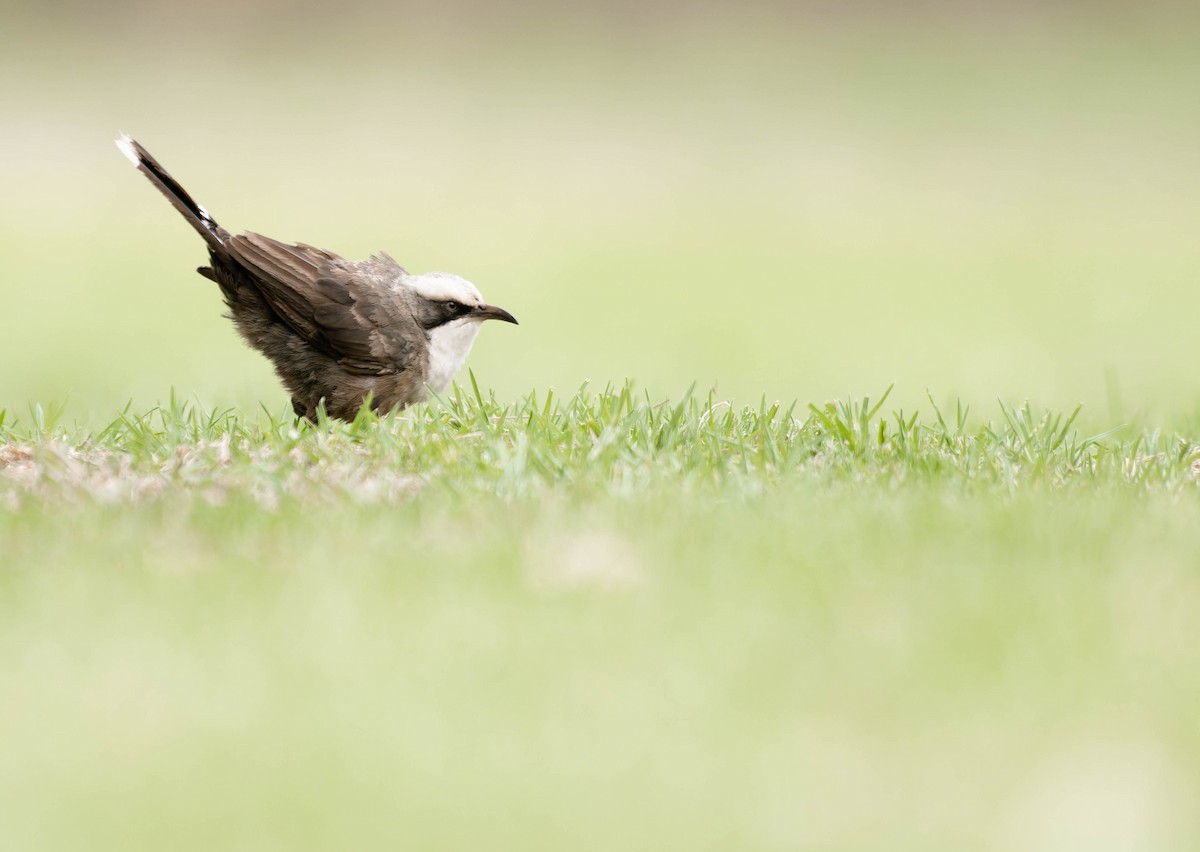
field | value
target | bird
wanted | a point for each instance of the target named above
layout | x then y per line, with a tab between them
339	332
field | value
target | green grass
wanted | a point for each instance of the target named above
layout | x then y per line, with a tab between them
629	617
612	444
600	621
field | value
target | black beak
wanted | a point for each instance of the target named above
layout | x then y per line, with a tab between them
487	312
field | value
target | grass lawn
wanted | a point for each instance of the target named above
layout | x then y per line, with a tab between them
632	617
598	622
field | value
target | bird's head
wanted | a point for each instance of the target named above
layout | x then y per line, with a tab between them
443	298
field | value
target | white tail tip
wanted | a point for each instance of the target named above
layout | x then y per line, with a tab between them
126	146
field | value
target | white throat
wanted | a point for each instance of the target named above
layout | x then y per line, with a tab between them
448	348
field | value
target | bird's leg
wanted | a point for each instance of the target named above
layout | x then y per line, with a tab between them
302	411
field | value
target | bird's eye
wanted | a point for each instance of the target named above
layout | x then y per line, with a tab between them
453	307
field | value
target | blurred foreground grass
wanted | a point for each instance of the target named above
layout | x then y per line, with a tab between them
596	622
599	623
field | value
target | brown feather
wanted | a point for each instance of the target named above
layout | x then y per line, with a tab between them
337	331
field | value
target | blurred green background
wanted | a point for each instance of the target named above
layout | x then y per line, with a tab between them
799	200
802	200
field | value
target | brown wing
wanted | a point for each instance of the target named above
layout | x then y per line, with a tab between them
344	308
